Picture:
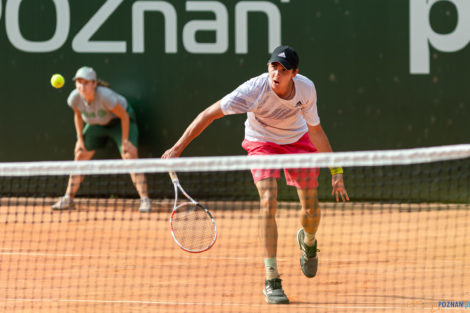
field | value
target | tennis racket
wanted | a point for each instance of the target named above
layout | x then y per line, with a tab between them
192	225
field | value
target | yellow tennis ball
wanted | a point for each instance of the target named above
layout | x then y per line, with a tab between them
57	81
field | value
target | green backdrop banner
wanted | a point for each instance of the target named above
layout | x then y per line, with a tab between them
389	74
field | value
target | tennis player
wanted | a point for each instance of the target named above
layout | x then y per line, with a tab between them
282	118
101	114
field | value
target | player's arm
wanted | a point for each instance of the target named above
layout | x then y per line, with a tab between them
78	121
318	138
122	114
320	141
204	119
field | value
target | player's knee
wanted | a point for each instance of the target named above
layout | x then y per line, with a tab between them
81	155
130	153
268	204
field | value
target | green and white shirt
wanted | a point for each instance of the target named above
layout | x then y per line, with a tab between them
97	112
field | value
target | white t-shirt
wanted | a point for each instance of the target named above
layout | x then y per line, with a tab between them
97	112
270	118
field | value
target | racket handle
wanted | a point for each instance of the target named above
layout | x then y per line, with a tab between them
173	176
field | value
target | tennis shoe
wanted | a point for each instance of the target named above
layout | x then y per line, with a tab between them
145	206
64	203
309	258
274	293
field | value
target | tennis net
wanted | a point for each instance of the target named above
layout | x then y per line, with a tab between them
401	244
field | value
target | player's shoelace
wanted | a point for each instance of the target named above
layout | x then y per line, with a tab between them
310	252
273	284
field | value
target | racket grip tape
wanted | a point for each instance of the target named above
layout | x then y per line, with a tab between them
173	176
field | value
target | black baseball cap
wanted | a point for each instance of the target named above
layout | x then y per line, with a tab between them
286	56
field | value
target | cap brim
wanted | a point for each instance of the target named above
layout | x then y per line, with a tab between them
85	78
282	61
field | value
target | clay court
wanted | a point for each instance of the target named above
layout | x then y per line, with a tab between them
111	258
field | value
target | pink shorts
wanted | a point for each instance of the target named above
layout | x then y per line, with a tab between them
298	177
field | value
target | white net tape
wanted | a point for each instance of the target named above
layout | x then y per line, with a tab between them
232	163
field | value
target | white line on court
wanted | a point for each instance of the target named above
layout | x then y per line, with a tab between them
8	251
312	306
44	254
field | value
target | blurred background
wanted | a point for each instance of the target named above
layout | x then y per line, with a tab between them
389	74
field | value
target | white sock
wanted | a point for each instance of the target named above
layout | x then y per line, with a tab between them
67	197
271	268
144	199
309	239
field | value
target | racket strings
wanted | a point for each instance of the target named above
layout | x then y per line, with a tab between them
193	227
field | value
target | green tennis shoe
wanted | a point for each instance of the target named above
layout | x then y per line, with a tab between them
309	257
274	293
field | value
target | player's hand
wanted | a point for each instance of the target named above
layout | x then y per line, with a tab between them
171	153
79	146
338	187
125	147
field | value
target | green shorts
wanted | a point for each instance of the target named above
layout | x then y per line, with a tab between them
96	136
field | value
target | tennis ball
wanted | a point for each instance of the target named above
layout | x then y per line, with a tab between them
57	81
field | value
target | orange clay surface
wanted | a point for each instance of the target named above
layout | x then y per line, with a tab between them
105	256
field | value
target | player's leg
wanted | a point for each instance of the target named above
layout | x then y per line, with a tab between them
310	220
306	182
75	180
66	202
265	181
267	227
310	212
139	180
